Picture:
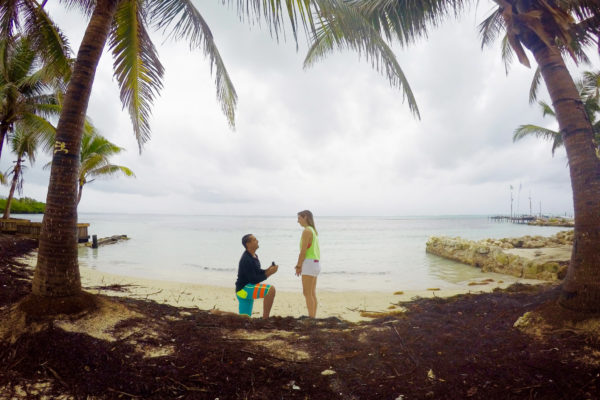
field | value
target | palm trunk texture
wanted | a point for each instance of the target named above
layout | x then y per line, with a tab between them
581	288
13	186
57	270
3	132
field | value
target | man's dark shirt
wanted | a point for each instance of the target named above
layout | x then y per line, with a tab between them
249	271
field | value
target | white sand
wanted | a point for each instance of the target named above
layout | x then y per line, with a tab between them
346	305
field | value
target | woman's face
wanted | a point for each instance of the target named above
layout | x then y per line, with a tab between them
302	220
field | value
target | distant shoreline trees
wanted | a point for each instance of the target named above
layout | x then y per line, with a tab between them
24	205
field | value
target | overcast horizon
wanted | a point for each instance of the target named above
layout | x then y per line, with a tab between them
335	138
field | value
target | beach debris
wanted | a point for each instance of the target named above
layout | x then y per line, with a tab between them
433	289
107	240
430	374
400	397
399	292
328	372
381	314
293	385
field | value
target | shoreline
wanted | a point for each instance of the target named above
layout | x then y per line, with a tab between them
347	305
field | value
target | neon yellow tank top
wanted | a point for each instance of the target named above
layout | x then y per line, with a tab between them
313	252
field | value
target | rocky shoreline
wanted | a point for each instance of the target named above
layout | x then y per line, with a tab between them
531	257
554	221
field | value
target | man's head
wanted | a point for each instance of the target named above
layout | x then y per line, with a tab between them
249	242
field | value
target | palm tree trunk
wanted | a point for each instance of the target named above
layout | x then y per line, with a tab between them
3	132
581	288
79	194
57	270
13	186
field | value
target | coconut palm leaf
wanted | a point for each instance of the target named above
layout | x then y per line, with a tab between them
546	109
333	33
9	17
27	89
137	68
24	144
535	84
491	27
39	127
180	19
96	152
110	170
533	130
48	41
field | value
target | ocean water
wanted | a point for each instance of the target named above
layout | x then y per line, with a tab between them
357	253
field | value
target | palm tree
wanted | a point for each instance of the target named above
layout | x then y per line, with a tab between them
96	151
548	29
24	144
27	90
56	285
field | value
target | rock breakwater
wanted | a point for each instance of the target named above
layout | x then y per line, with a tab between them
531	257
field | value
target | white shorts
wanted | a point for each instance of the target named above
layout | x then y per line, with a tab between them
311	267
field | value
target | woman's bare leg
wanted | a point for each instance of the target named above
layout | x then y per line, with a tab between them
308	288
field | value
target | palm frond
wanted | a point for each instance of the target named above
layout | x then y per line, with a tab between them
345	27
535	85
24	144
299	15
409	19
85	6
48	41
9	17
38	127
490	28
533	130
188	23
591	84
137	68
546	109
507	53
110	170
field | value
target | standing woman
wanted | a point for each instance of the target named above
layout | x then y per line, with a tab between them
308	261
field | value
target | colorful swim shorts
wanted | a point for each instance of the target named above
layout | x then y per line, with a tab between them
247	295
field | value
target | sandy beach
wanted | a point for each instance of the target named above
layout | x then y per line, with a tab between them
349	305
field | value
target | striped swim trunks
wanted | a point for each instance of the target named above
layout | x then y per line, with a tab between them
247	295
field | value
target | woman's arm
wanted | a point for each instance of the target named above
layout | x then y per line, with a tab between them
306	241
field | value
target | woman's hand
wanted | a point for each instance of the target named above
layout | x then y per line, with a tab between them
298	270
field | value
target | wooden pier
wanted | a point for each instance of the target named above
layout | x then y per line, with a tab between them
521	219
25	227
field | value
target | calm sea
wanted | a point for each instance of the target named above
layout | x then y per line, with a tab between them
357	253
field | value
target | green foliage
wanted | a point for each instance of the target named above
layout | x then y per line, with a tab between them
24	205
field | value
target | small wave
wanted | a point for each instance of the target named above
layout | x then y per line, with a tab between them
210	268
379	273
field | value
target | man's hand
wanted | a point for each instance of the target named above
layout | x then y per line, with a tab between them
271	270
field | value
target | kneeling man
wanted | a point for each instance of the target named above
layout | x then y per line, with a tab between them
248	286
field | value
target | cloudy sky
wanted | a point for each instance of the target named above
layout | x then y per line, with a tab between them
334	138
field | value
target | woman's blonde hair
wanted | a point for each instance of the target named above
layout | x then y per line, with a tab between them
309	218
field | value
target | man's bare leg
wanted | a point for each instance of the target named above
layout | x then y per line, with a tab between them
268	302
